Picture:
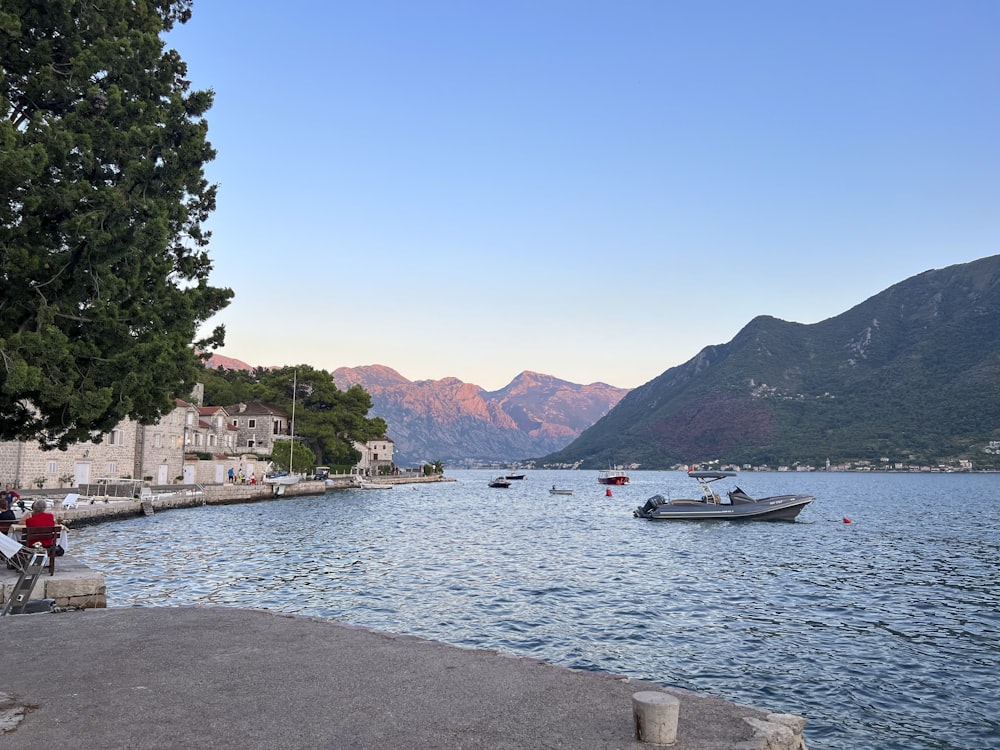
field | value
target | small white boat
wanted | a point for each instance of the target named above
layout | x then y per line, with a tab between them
367	485
556	491
280	477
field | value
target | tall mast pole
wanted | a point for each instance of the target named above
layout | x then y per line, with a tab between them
291	443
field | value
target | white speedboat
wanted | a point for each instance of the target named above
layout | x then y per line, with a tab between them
280	477
736	506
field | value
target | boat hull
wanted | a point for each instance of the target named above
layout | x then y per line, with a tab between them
282	480
778	508
612	480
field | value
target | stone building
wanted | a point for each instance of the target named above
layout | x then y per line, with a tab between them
172	450
259	426
129	451
376	456
193	444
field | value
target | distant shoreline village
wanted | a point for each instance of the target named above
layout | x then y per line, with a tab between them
885	466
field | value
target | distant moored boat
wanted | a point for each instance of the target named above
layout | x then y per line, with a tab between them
612	476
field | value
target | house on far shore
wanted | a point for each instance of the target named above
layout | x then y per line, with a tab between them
376	456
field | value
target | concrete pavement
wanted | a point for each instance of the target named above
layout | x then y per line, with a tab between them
217	677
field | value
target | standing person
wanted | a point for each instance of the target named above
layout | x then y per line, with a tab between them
232	476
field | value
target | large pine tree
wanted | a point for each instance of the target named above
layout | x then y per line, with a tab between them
103	261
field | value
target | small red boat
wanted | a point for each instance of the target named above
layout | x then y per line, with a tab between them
612	476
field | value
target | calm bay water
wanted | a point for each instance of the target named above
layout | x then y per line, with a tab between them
884	633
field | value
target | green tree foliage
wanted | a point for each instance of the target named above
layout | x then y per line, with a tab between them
225	387
292	455
103	261
327	419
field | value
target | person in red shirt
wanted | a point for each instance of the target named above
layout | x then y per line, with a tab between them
39	517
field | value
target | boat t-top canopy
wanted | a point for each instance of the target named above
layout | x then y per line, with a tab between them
711	476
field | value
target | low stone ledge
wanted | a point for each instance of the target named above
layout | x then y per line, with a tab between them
74	585
90	591
777	732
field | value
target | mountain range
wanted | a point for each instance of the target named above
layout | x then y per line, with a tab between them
910	375
462	424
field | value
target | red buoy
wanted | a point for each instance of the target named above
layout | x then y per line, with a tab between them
847	520
607	492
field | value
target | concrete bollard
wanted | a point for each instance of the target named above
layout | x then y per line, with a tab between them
656	717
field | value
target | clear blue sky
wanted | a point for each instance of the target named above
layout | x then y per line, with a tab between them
592	190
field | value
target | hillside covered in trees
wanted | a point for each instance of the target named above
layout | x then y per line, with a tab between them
911	374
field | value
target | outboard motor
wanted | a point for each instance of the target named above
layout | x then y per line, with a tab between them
652	504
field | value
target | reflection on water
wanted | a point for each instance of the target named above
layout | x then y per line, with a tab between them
883	633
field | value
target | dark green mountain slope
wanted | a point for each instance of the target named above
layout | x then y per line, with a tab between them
912	374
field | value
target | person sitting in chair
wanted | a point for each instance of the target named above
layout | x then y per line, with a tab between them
8	512
39	517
